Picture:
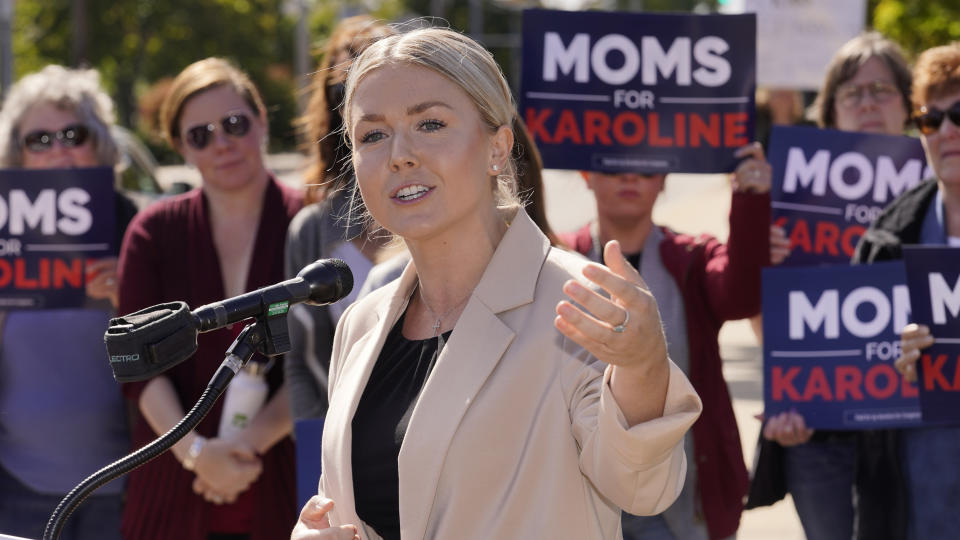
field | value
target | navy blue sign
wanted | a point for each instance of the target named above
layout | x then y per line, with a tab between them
933	274
638	92
830	337
51	223
828	186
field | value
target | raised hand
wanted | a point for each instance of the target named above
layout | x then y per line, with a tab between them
754	173
624	329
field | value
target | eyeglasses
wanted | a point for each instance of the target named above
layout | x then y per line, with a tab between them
928	119
42	140
850	95
236	125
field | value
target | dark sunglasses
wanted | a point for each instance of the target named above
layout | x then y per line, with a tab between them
236	125
70	137
928	119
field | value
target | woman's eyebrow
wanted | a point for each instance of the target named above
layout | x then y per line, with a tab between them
419	108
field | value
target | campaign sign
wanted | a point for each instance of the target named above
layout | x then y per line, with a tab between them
933	274
829	185
51	223
638	92
830	337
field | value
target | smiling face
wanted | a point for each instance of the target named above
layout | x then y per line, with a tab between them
943	145
47	117
227	162
879	107
422	154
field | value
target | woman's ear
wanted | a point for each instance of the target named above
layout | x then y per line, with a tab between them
501	145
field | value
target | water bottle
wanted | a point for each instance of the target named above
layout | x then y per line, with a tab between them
245	397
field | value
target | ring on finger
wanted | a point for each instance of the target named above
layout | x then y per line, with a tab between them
622	326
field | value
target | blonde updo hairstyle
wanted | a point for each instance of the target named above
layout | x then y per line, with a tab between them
461	60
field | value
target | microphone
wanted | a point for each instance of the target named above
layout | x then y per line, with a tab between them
322	282
148	342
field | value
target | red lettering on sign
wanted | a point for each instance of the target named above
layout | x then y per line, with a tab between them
535	120
700	130
889	374
596	128
735	129
621	135
817	386
783	383
848	381
655	138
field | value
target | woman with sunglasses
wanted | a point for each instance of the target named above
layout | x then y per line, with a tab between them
61	412
836	485
927	214
219	240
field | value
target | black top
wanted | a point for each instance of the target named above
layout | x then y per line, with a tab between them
380	424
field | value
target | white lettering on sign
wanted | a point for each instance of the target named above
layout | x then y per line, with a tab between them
849	175
651	61
828	312
19	213
943	298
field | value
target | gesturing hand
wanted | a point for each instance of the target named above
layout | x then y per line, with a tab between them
314	524
623	330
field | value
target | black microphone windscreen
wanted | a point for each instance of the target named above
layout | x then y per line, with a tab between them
329	281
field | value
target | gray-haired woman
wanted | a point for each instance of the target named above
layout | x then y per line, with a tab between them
62	414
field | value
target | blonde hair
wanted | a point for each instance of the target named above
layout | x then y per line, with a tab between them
199	77
76	90
936	73
465	63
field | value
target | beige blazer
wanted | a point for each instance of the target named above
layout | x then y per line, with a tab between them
516	433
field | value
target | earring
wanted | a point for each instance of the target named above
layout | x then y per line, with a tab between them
495	168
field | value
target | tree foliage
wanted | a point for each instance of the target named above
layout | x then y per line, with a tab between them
917	24
134	43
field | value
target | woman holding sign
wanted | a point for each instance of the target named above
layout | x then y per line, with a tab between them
457	408
866	90
61	412
214	242
927	214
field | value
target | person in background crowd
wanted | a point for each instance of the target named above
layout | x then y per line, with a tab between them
866	90
61	413
325	229
927	214
699	283
217	241
452	383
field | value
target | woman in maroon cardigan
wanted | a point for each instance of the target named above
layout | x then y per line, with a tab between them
214	242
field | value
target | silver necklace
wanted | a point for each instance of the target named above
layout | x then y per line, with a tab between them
439	320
